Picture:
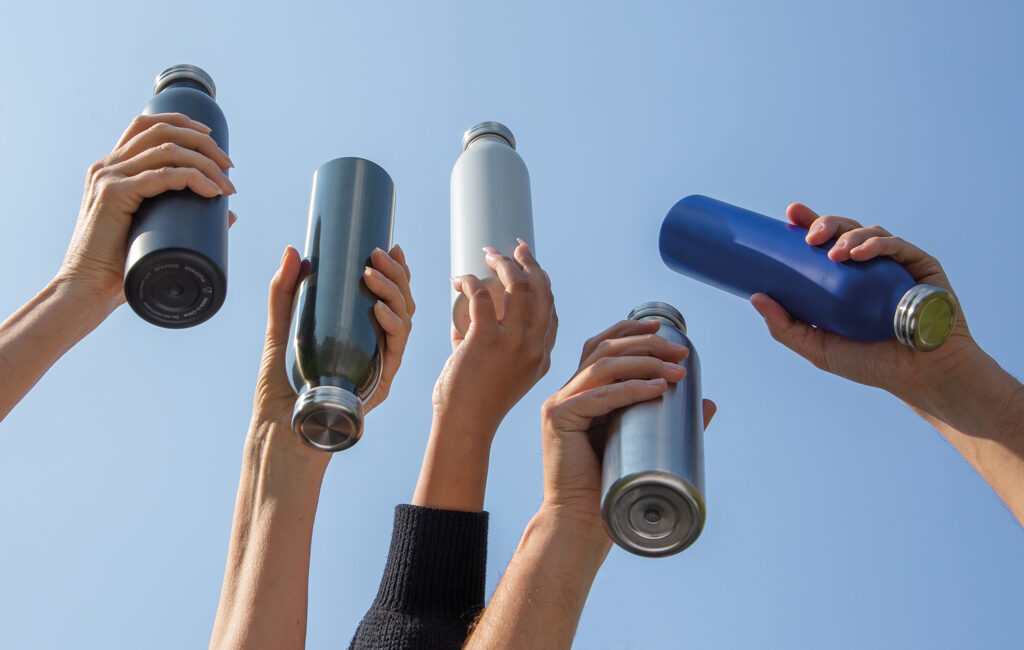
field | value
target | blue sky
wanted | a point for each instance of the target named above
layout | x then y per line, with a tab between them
836	518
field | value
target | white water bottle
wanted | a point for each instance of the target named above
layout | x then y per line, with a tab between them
490	206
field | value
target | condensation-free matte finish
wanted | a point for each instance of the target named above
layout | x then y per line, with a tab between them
177	259
746	253
490	206
335	339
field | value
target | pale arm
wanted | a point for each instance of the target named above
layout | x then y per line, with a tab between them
38	334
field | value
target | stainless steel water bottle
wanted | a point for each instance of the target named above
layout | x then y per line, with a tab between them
336	345
176	267
490	206
653	467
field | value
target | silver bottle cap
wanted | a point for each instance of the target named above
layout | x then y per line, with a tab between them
185	71
328	418
659	310
925	317
488	128
654	514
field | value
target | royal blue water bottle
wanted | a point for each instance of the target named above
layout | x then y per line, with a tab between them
746	253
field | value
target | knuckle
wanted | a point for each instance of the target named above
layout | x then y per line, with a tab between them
168	148
604	348
521	286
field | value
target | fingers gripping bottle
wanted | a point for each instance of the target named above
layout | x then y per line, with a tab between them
745	253
176	268
336	346
652	483
490	206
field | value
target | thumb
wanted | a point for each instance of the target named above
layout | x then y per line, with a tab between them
279	303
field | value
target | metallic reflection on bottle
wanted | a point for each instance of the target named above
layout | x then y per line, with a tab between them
335	344
653	465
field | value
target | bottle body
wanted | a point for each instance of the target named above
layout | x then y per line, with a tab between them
336	345
176	263
490	206
745	253
652	484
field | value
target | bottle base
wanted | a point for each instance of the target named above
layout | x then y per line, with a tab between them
175	288
653	514
328	418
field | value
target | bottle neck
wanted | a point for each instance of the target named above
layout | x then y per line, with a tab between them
187	83
493	137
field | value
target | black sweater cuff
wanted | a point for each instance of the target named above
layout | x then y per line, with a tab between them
437	563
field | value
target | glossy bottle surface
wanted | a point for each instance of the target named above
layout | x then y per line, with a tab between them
176	266
653	466
745	253
336	344
490	206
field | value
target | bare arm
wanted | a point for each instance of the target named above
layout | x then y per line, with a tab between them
959	389
488	372
540	598
145	162
266	581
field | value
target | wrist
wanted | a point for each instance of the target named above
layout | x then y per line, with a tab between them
584	528
84	305
272	446
97	299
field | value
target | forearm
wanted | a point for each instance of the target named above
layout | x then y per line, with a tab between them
539	600
979	408
263	599
39	333
454	471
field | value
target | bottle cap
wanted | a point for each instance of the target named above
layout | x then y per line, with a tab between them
328	418
659	310
925	317
488	128
185	71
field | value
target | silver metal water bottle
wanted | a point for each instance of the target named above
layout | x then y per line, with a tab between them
336	345
653	468
490	206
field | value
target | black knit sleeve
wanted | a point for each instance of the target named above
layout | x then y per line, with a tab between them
433	584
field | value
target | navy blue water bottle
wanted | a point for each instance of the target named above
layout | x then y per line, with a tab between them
746	253
175	274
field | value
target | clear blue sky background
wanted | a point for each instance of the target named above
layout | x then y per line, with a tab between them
836	518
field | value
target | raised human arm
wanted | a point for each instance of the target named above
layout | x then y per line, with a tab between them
540	598
149	159
263	598
959	389
433	584
489	370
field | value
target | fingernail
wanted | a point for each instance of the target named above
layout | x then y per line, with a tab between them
818	228
523	243
842	243
655	382
491	251
676	347
202	127
672	366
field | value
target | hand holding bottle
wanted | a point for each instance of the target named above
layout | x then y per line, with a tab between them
156	153
490	369
540	598
888	364
626	364
958	389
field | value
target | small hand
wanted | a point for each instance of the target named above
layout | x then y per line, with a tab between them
388	279
498	361
626	364
157	153
887	364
